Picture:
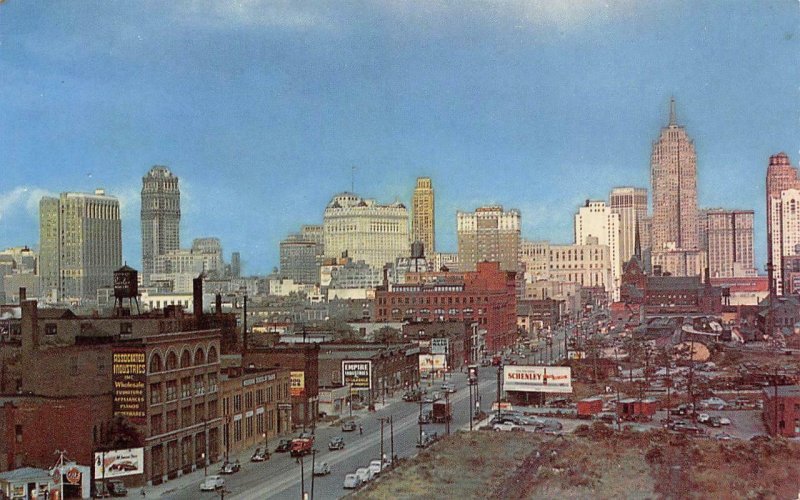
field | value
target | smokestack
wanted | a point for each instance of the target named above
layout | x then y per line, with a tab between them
23	294
218	303
197	296
30	325
245	337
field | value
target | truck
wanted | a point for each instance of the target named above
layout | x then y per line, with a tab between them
441	412
301	446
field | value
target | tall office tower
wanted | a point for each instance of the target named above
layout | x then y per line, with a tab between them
376	234
673	165
80	244
423	224
161	217
489	234
782	181
596	220
730	243
630	203
210	250
298	259
702	227
236	265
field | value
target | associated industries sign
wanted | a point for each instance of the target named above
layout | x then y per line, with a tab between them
357	374
537	378
116	463
129	375
440	345
298	383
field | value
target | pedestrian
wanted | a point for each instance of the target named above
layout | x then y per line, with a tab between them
360	430
144	494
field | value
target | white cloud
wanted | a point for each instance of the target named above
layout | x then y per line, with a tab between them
22	198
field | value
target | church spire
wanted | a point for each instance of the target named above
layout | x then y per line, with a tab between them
672	121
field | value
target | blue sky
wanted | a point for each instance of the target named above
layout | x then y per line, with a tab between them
262	108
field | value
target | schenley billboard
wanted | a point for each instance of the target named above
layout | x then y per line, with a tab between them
537	378
357	374
129	376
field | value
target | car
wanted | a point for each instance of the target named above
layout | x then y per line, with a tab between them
322	469
348	426
424	417
507	427
426	439
365	474
211	483
412	396
116	488
229	467
259	456
306	435
376	466
713	421
724	421
284	445
703	418
722	436
123	466
336	443
351	481
430	398
448	387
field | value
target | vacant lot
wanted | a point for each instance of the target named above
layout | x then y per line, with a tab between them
596	463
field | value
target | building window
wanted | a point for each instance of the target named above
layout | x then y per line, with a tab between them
172	420
156	424
198	386
155	393
50	329
260	424
226	406
155	363
18	432
186	387
237	430
125	328
212	409
270	420
172	390
212	383
248	399
260	397
186	416
249	426
172	361
199	413
237	403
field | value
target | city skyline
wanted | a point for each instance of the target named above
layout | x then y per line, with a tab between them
513	127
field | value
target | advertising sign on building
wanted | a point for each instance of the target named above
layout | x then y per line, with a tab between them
440	345
537	378
116	463
431	363
577	355
298	383
129	375
357	374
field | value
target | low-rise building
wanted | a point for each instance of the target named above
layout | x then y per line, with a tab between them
782	408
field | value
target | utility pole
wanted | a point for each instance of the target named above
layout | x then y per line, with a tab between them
382	420
775	401
447	412
302	480
499	390
470	405
391	436
313	464
419	420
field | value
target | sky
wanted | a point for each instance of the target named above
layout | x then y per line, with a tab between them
263	108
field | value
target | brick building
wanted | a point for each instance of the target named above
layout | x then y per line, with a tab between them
535	315
486	296
463	346
788	410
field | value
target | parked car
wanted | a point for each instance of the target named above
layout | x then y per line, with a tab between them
259	456
713	403
230	467
365	474
348	426
703	418
376	466
722	436
336	443
412	396
322	469
724	421
351	481
507	427
283	446
211	483
448	387
712	421
116	488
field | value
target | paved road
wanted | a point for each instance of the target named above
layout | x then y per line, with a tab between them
279	477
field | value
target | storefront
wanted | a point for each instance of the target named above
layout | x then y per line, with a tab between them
28	483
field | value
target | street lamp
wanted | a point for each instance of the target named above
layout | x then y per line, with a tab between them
266	447
205	464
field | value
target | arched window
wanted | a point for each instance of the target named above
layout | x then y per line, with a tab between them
212	354
186	359
199	357
155	363
172	360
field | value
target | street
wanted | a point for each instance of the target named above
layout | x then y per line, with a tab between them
280	476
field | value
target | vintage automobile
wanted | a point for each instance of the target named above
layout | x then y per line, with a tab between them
336	443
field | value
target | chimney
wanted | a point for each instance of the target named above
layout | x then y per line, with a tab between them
23	294
30	325
197	297
218	303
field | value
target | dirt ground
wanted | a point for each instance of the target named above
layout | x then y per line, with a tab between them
596	462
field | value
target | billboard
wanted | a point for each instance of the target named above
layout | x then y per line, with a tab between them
440	345
116	463
537	378
298	383
431	362
357	374
129	376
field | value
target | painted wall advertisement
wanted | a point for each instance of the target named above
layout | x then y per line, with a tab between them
431	362
537	378
298	383
357	374
116	463
129	375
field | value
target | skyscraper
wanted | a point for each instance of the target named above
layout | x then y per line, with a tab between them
596	223
161	217
423	226
730	243
630	203
489	234
80	244
783	202
673	168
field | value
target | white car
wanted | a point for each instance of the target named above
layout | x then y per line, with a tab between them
376	467
507	427
365	474
703	418
351	481
724	421
211	483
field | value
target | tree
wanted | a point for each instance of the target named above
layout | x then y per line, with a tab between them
388	335
120	434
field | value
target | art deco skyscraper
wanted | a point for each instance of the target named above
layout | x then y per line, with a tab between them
80	244
161	217
783	216
423	225
673	169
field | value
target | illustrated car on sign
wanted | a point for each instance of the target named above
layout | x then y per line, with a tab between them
125	465
211	483
336	443
348	426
